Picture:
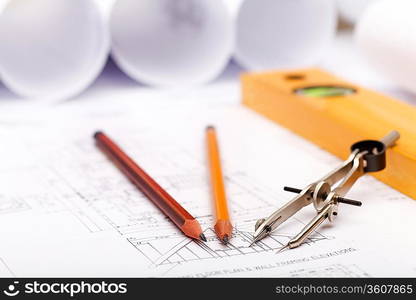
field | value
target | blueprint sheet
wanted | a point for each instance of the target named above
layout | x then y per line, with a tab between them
66	210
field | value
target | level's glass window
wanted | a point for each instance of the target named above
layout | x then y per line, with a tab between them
325	91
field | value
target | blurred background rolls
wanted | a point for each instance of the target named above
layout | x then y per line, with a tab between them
274	34
55	49
51	48
386	35
165	42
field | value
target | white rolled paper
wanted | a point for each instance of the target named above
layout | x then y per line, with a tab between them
105	7
51	49
352	10
386	35
282	33
166	42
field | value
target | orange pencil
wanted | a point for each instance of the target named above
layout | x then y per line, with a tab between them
223	227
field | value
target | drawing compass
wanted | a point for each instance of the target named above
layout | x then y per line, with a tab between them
325	194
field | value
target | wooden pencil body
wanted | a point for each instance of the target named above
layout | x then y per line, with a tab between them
154	192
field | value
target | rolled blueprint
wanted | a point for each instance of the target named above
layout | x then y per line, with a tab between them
352	10
386	36
282	33
51	49
166	42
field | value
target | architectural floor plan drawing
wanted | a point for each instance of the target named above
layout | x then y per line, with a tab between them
65	210
186	250
336	270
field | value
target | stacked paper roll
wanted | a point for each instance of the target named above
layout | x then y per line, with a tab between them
274	34
51	48
165	42
386	36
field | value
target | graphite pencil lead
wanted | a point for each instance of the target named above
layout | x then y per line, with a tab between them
225	239
202	237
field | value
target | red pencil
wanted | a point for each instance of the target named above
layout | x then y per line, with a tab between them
153	191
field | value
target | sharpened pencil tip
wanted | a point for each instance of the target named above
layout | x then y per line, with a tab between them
225	239
202	237
97	133
210	127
